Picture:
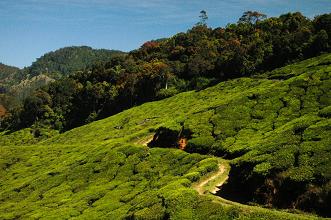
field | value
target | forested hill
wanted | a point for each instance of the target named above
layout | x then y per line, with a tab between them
196	59
8	74
6	70
62	62
68	60
18	84
273	129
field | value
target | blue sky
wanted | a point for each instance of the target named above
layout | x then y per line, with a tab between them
30	28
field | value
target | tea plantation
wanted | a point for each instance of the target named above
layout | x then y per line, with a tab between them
273	129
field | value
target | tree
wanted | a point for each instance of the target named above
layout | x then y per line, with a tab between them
319	43
35	107
323	22
251	17
203	18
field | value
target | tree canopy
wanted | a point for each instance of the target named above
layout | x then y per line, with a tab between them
161	68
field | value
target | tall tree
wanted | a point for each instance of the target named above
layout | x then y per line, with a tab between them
203	18
252	17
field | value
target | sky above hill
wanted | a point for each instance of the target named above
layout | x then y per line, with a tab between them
30	28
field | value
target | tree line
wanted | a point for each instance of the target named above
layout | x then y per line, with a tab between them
161	68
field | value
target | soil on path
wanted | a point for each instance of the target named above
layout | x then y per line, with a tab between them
213	182
200	187
145	141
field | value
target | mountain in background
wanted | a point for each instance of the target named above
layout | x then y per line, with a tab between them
17	84
6	70
8	75
68	60
55	64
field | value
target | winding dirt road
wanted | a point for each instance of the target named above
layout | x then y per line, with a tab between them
145	141
200	187
213	182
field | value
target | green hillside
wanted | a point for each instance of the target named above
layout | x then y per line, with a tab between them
18	84
6	70
273	130
68	60
8	75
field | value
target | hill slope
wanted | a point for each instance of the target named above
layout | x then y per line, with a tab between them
8	75
17	84
68	60
274	129
6	70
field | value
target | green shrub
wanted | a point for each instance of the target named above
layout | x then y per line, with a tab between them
200	144
325	112
165	93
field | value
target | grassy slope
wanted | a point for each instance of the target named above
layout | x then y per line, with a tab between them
101	171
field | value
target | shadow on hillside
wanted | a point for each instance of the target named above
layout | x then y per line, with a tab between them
168	138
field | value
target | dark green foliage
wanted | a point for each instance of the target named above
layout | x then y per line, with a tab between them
68	60
325	112
200	144
19	84
36	106
8	74
6	70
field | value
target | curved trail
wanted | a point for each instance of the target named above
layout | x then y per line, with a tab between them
211	184
145	141
200	187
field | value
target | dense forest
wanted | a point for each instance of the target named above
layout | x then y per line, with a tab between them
162	68
16	84
8	76
55	64
69	60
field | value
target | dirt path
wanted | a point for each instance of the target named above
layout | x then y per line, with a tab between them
146	140
210	184
200	187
